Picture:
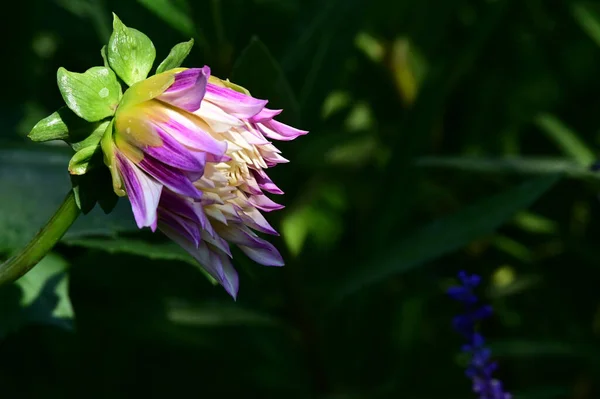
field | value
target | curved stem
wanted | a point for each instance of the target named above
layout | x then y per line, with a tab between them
42	243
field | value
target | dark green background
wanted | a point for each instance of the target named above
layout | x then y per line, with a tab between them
444	135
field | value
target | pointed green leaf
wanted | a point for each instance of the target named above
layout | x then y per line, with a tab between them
587	14
172	13
566	139
445	235
517	165
161	251
176	56
130	53
92	95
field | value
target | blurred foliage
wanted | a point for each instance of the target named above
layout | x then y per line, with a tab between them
444	135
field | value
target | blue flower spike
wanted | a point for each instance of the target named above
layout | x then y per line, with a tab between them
481	368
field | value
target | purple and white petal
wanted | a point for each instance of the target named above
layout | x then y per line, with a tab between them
213	261
187	91
267	255
265	183
178	205
143	191
174	154
250	186
264	203
189	132
279	131
217	241
254	219
229	278
265	114
184	226
233	102
170	177
218	120
257	249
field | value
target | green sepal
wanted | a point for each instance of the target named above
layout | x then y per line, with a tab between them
238	88
146	90
94	187
92	139
90	176
104	57
54	127
92	95
130	53
86	149
80	163
65	125
109	157
176	56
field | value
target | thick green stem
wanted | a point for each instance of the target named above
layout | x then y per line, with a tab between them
42	243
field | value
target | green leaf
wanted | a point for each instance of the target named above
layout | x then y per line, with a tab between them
130	53
536	224
38	289
545	392
566	139
258	71
176	56
445	235
176	17
160	251
517	165
537	348
34	182
39	297
92	95
587	14
195	314
65	125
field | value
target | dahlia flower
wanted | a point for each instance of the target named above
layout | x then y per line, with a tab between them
190	152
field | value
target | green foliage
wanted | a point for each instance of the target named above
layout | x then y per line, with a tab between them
173	12
90	179
587	15
256	68
443	136
34	183
40	297
444	235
